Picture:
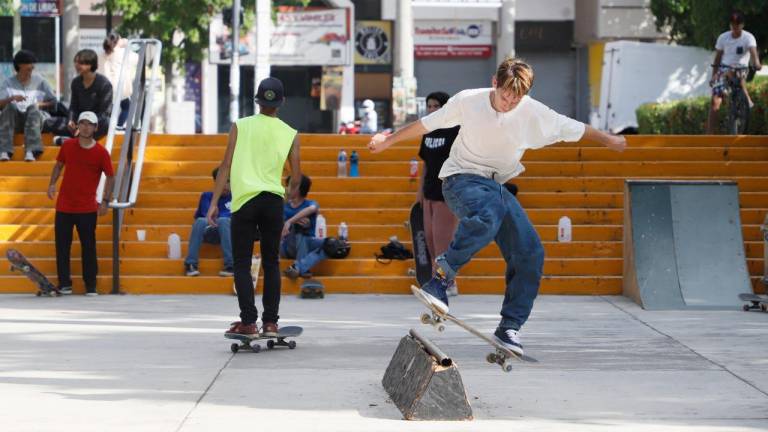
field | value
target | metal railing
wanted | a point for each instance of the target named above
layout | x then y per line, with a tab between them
137	125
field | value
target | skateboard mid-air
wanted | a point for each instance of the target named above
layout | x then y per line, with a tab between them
502	356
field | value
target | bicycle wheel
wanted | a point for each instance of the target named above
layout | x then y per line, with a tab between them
738	115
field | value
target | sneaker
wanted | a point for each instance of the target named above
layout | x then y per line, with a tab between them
65	290
453	289
59	140
291	272
269	329
240	329
509	339
227	272
435	291
4	157
91	292
191	270
29	157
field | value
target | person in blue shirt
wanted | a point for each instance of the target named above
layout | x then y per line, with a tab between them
202	232
299	241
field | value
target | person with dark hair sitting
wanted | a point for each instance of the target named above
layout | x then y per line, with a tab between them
299	241
91	91
23	100
202	232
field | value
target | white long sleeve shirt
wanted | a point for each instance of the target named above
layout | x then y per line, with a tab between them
491	144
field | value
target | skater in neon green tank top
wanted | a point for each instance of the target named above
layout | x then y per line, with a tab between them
257	150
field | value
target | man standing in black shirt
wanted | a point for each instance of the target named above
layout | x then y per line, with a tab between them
91	91
439	221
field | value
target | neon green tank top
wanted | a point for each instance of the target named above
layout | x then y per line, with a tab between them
263	144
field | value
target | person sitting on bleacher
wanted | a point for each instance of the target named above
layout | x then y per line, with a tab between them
202	232
299	241
23	98
91	91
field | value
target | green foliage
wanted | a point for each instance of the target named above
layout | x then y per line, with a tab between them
6	7
689	116
700	22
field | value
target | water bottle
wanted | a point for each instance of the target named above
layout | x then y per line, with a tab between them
353	160
564	229
343	231
320	228
342	170
174	246
414	169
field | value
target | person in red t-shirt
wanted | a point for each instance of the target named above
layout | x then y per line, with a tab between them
76	205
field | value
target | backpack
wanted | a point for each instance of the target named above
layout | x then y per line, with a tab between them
393	250
336	248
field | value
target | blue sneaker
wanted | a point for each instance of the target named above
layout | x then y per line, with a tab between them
435	291
509	339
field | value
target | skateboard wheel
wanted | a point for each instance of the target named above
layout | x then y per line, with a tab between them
763	307
507	366
270	344
745	308
291	344
490	358
256	348
426	319
234	348
441	328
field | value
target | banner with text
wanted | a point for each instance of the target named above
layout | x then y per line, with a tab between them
452	39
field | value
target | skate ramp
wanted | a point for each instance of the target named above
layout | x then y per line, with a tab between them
683	245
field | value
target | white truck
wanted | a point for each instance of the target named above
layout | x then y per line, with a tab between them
635	73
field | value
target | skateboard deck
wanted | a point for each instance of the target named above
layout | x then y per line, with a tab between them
20	263
311	289
272	341
754	302
502	356
421	257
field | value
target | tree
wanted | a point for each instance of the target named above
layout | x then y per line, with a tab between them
700	22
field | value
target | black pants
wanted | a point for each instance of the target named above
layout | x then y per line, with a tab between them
263	213
86	229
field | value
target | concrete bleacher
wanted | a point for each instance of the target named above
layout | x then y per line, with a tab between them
580	180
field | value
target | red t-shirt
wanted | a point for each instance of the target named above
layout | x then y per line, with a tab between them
82	172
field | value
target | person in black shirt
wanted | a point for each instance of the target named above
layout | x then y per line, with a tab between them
90	91
439	221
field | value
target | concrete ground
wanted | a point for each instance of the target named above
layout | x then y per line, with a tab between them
160	363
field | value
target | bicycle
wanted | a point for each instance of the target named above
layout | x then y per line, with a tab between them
738	109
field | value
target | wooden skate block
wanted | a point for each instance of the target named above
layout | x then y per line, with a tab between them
421	388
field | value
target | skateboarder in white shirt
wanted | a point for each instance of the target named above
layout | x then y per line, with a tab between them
498	125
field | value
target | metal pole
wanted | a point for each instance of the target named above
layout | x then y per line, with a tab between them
234	70
116	250
432	349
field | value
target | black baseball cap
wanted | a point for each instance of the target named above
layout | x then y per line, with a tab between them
270	93
737	17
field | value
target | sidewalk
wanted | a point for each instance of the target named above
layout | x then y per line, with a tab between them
160	363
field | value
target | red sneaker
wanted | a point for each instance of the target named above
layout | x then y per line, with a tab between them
269	329
238	328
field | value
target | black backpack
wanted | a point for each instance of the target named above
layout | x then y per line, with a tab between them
394	250
336	248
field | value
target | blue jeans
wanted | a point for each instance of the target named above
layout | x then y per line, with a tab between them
196	239
487	211
307	250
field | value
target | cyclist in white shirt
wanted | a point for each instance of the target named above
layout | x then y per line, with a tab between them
734	49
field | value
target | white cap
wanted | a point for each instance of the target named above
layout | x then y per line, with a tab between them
368	104
89	116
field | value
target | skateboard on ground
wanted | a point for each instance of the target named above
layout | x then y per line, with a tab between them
272	341
20	263
421	257
754	302
502	356
311	289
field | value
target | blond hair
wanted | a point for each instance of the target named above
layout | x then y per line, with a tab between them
514	75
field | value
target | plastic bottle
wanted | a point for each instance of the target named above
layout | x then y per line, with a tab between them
343	231
320	228
342	170
414	168
174	246
354	158
564	229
